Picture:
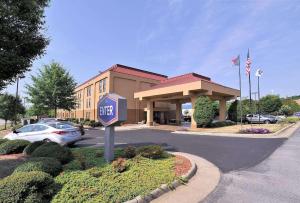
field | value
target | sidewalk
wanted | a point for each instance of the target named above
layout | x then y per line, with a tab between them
200	185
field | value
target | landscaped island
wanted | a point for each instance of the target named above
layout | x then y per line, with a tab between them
49	172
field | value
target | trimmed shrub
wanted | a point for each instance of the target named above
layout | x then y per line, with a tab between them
54	150
129	152
219	124
204	111
13	146
293	119
151	151
45	164
30	187
119	165
3	140
31	147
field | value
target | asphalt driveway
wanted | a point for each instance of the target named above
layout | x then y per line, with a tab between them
276	179
228	153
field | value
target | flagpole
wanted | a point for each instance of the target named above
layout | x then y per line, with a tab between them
249	77
240	81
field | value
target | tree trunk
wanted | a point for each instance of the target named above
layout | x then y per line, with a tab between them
55	112
5	124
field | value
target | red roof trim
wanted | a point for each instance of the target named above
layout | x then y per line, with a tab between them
181	79
147	74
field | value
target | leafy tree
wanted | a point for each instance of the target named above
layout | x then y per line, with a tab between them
286	110
204	111
295	107
10	106
232	111
52	89
215	108
270	104
21	37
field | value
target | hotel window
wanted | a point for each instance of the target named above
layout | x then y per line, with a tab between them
88	91
87	115
102	85
88	103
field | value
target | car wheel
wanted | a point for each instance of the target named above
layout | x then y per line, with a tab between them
267	122
47	140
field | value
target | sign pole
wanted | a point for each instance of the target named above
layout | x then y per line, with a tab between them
109	138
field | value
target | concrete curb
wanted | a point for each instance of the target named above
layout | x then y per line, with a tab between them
164	188
278	134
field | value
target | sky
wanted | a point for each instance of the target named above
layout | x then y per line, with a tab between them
174	37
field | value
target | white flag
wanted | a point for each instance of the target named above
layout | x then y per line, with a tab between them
258	73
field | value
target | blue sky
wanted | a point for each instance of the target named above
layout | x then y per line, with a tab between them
175	36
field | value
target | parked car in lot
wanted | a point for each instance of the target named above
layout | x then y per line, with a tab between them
59	132
51	120
254	118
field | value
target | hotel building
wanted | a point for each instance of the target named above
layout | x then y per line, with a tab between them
151	97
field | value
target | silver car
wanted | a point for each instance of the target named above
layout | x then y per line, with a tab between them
254	118
58	132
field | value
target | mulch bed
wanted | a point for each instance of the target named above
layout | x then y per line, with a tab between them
9	162
182	165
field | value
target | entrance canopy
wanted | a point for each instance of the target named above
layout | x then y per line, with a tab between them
186	88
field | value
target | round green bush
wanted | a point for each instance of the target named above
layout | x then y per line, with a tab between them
13	146
3	140
129	152
54	150
151	151
31	147
30	187
45	164
204	111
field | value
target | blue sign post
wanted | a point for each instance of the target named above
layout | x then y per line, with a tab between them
112	110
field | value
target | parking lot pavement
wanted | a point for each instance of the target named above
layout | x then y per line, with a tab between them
228	153
276	179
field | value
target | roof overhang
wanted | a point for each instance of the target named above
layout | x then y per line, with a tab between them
186	90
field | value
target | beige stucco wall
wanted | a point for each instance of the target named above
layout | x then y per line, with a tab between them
119	83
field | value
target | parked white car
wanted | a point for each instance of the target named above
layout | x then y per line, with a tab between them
58	132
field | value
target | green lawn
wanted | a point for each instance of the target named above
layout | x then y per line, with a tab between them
98	182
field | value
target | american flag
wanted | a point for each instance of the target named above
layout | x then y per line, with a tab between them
248	63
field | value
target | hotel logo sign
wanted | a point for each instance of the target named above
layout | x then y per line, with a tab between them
112	109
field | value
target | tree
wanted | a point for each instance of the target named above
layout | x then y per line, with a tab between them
232	111
216	108
21	37
270	104
285	110
10	106
295	107
204	111
53	88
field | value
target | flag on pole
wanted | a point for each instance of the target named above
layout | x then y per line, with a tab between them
259	72
248	63
236	61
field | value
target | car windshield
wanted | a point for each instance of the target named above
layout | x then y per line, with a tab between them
60	125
